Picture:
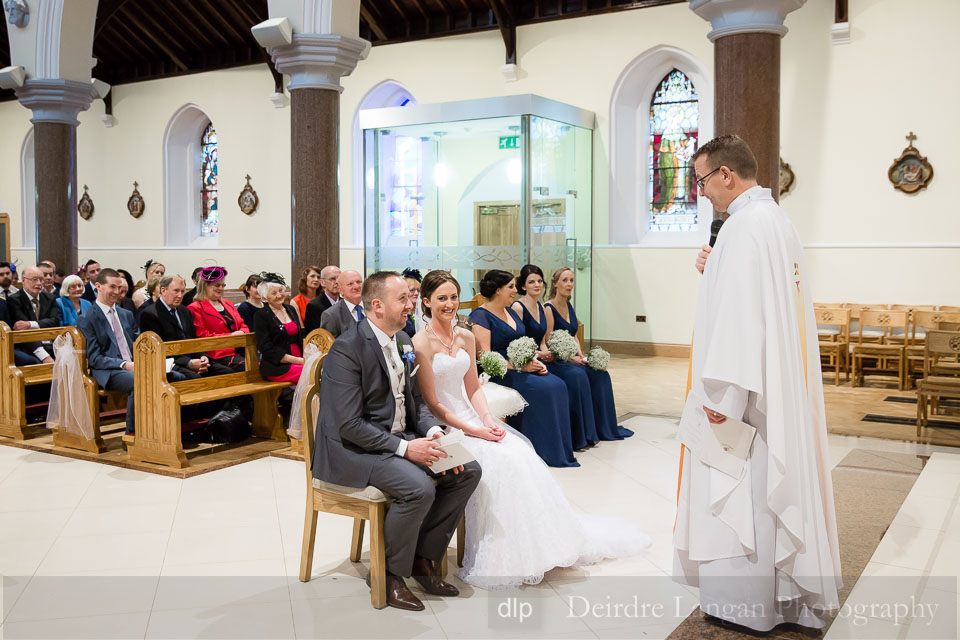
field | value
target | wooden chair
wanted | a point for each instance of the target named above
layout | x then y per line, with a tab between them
833	327
932	387
882	322
948	326
158	402
945	307
870	334
922	322
323	340
362	505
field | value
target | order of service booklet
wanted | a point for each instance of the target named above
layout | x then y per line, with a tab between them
454	445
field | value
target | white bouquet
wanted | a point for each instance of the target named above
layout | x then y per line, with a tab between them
562	345
598	359
521	351
493	364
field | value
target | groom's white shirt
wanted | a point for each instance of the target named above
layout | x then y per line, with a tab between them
392	355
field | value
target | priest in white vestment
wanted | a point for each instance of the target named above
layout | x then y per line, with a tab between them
760	541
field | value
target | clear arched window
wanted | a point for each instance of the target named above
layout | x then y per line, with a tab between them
674	127
209	217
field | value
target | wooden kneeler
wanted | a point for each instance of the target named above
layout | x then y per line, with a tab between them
362	505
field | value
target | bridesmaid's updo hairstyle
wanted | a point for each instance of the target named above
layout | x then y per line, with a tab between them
556	278
431	282
524	274
493	280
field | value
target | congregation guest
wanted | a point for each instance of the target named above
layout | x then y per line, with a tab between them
309	286
530	286
34	308
20	358
6	280
561	315
58	276
546	421
215	316
348	311
15	276
412	278
152	270
110	332
71	303
90	271
152	293
278	331
326	298
252	302
170	320
188	296
126	302
49	269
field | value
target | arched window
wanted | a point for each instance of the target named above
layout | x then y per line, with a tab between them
209	217
190	212
28	203
674	125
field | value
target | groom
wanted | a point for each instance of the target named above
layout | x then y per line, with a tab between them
374	429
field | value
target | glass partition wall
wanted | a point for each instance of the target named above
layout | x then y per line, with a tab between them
470	195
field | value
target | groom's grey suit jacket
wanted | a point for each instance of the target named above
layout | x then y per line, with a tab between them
357	408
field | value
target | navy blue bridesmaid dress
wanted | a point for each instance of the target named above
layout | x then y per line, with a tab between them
546	421
601	387
582	424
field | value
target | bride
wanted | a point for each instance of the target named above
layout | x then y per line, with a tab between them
519	523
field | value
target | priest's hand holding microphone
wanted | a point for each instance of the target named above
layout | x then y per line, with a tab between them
712	416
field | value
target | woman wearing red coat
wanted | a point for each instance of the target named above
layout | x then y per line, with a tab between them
214	316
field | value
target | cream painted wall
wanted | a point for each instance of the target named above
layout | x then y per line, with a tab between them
845	110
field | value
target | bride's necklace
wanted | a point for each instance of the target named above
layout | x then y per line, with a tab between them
448	347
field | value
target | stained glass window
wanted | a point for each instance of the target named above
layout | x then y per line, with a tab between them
406	198
674	125
210	218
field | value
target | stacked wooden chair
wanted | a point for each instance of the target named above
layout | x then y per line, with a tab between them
868	345
941	348
833	330
921	322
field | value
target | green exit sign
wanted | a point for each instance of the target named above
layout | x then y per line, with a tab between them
509	142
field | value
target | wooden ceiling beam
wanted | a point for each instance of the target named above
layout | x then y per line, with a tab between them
403	16
423	12
223	22
124	46
108	14
508	28
199	33
372	22
245	21
199	17
157	41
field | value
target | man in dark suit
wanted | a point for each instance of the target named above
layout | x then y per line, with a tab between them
329	295
34	308
110	331
92	269
374	429
349	309
6	281
49	270
170	320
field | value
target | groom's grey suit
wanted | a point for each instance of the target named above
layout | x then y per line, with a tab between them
355	448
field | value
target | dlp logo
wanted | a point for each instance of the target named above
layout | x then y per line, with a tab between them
514	609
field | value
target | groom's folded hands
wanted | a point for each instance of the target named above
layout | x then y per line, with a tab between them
426	451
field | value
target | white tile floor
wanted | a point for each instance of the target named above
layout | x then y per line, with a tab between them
94	551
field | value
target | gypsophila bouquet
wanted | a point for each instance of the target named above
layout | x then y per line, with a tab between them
598	359
493	364
562	345
521	351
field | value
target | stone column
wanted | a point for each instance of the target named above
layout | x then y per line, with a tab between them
55	105
315	64
746	36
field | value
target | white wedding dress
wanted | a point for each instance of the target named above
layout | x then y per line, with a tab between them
519	523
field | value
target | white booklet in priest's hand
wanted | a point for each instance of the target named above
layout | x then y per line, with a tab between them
727	446
454	445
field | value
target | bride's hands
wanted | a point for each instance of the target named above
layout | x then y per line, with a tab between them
489	431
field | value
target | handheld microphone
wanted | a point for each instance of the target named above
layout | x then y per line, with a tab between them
714	230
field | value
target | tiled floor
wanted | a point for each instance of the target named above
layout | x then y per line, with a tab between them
96	551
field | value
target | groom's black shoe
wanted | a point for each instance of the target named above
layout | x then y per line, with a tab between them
427	574
399	595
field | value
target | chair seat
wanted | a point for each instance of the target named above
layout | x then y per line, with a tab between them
827	332
370	494
944	383
879	349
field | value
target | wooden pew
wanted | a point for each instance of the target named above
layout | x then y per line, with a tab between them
157	436
14	380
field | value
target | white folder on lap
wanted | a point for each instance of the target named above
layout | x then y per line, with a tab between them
454	445
727	447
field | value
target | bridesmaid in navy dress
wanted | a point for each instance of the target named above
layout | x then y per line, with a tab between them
530	286
560	315
546	421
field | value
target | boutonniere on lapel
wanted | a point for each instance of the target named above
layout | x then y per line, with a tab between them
408	357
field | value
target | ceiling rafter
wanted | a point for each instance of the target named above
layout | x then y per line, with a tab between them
157	41
372	22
